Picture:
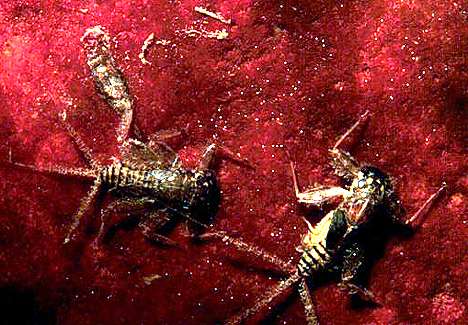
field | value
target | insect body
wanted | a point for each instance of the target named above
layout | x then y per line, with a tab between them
338	245
147	179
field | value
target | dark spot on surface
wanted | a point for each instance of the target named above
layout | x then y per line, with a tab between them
20	306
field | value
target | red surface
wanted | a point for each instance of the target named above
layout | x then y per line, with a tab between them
295	74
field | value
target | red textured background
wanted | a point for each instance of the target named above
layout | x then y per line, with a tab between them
293	74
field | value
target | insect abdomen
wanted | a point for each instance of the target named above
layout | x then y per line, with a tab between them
313	258
118	176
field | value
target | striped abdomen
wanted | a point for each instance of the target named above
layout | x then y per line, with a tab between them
119	176
313	258
322	241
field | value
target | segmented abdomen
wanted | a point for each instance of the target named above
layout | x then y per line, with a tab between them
118	176
320	242
313	259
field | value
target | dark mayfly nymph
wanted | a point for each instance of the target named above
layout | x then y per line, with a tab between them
338	244
147	179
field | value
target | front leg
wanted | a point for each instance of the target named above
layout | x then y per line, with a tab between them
215	151
342	162
316	196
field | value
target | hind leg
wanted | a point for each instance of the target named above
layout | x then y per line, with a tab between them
153	223
266	299
85	204
251	249
84	149
108	78
306	299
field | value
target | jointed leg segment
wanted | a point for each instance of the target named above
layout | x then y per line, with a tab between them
252	249
318	195
84	206
415	220
214	151
306	299
267	298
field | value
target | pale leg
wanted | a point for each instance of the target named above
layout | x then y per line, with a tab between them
415	220
266	299
214	151
84	206
252	249
316	196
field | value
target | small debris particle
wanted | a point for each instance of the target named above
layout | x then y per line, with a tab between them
214	15
147	43
150	278
217	34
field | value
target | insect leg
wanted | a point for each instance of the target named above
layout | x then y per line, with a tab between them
266	299
351	129
252	249
117	208
140	155
318	195
84	149
342	162
153	223
214	151
306	299
164	136
415	220
84	206
363	293
58	170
